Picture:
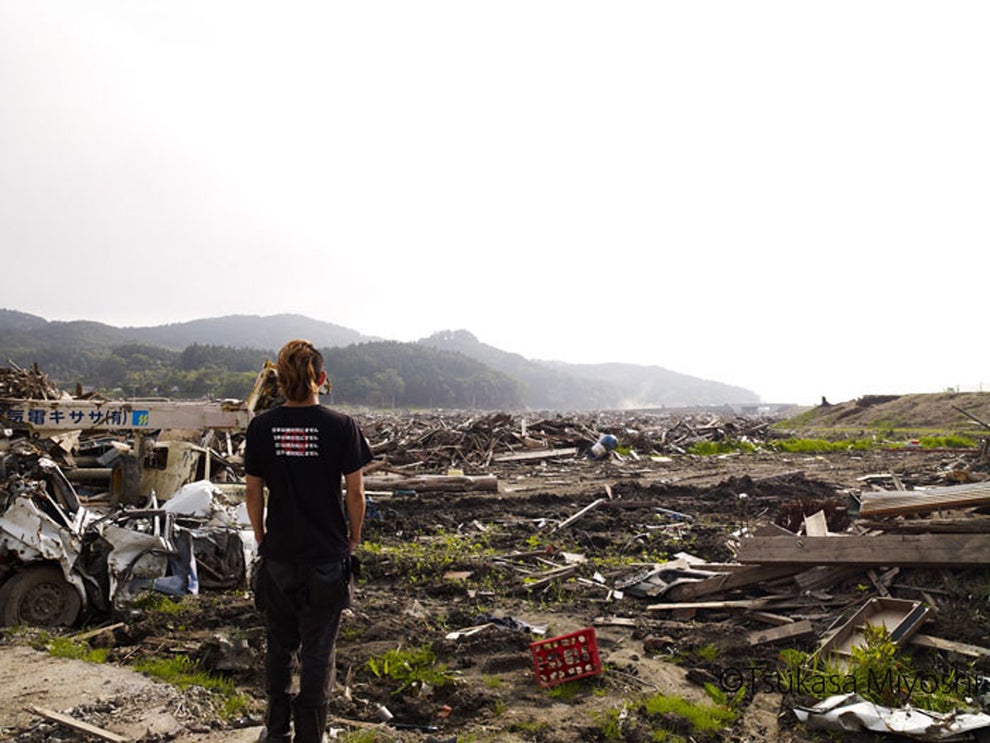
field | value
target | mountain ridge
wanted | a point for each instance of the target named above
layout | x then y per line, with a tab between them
550	384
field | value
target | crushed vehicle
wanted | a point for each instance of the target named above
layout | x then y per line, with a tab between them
157	514
60	560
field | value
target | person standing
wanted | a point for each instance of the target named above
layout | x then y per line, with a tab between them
300	451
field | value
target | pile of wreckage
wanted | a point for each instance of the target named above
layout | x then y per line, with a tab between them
435	441
97	503
788	581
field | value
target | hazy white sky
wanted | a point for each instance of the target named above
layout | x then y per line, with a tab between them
787	196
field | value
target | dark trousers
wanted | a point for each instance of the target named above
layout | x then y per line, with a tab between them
302	606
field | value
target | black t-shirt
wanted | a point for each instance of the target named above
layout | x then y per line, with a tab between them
301	454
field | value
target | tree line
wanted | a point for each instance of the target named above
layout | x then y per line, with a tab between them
378	374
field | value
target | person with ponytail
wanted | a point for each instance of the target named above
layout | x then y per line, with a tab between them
306	531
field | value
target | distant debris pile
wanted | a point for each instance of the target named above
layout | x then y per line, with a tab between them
32	384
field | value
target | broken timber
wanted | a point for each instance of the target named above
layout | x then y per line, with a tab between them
433	483
885	550
782	632
935	499
567	522
927	641
78	725
728	581
540	454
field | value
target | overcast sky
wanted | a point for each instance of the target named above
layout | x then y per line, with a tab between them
791	197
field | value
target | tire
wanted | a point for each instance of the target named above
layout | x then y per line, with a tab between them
39	597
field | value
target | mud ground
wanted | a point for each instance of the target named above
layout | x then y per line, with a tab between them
436	563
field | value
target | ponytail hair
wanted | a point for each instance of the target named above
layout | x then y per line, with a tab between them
299	367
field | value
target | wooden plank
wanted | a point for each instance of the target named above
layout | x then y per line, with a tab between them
613	622
739	604
783	632
745	576
884	550
769	618
969	525
433	483
886	503
567	522
927	641
824	575
82	727
541	454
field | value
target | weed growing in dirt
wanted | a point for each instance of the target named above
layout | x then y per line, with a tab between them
422	560
234	706
710	448
609	723
534	728
701	717
707	652
790	446
566	692
820	446
181	671
946	442
411	668
352	632
64	647
159	603
660	713
878	671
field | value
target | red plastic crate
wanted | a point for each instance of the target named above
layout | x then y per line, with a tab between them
566	657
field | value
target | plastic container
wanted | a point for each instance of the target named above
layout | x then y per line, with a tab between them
566	657
603	446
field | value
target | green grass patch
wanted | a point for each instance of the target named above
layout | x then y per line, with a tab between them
946	442
533	727
701	717
154	602
821	446
707	652
609	723
424	559
181	671
64	647
712	448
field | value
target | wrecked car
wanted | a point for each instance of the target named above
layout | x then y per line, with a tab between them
63	556
60	560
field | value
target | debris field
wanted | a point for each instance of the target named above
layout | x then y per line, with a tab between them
490	535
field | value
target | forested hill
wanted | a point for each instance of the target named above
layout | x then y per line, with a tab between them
220	357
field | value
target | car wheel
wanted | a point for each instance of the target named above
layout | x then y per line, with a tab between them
39	597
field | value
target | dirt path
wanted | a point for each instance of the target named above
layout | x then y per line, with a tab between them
112	697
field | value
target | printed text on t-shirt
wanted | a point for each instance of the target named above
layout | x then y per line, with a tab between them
296	442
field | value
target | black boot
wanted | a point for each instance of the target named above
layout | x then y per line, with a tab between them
310	723
278	719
